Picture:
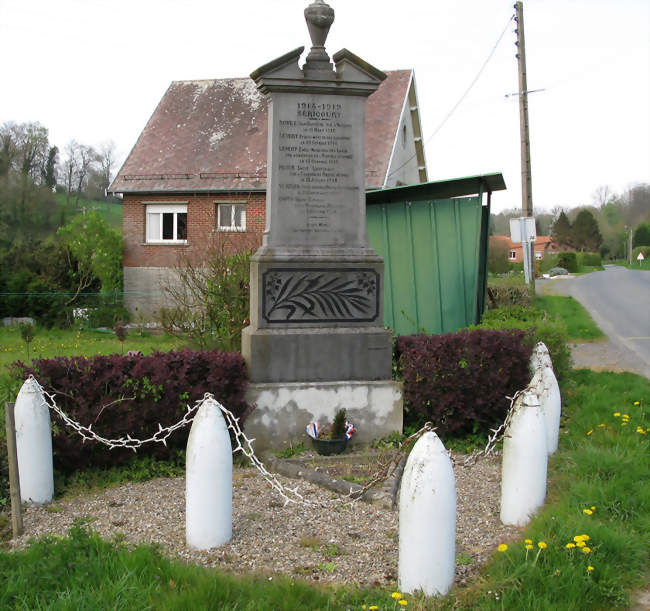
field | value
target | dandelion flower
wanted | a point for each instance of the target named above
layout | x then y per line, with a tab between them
640	430
590	431
502	547
637	403
557	571
570	545
396	595
617	414
528	546
601	426
373	607
586	550
626	416
528	541
577	538
403	603
581	543
590	568
593	508
587	511
542	545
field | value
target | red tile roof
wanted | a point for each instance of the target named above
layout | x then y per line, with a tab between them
211	135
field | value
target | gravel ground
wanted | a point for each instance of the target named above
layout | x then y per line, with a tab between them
333	541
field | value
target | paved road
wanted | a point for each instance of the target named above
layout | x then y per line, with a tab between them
618	300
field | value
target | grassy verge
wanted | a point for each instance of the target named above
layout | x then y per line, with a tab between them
49	343
580	326
601	466
645	264
597	489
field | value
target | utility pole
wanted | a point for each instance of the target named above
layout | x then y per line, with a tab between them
631	245
526	189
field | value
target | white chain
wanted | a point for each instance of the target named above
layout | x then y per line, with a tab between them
290	495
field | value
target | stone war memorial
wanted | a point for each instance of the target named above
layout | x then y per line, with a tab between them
316	341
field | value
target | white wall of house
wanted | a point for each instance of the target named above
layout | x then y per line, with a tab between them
405	163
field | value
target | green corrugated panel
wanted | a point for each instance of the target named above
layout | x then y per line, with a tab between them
431	257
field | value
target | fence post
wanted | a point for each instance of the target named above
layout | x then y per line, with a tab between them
427	519
524	463
548	390
14	479
208	479
33	445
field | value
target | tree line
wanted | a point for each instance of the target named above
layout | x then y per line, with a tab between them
51	256
603	226
33	170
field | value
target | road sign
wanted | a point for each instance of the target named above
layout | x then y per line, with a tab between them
522	229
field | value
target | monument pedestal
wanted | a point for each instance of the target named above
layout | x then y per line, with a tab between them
283	410
316	341
318	355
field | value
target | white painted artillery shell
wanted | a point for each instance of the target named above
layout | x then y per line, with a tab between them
33	445
523	468
548	391
208	480
427	519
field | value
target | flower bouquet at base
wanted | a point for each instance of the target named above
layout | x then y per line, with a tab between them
331	438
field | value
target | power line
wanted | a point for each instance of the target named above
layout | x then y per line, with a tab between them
462	97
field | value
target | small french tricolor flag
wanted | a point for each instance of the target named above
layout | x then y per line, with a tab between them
349	430
313	428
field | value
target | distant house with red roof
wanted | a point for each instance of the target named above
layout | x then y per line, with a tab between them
543	245
198	170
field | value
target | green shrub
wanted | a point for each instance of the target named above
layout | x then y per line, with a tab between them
500	296
553	334
643	249
107	315
568	260
591	259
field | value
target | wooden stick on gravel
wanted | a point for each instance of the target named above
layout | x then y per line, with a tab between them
14	481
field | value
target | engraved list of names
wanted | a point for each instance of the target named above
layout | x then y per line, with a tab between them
317	169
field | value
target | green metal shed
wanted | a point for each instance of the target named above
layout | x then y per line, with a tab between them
434	241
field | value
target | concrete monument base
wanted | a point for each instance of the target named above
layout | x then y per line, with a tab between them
317	355
283	410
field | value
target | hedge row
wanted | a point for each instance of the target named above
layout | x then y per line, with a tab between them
460	381
538	329
132	394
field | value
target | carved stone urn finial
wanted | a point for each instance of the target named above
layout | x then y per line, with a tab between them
319	17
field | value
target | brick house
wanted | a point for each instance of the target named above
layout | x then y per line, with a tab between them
544	245
197	173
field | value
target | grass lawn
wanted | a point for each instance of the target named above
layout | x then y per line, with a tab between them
67	342
111	212
509	280
596	488
580	325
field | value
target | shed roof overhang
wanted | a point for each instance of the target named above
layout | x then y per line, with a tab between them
440	189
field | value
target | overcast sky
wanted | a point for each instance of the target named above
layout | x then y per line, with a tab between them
94	70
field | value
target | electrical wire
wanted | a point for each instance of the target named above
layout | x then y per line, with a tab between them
463	96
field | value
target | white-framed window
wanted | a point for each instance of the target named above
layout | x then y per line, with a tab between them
512	255
538	255
166	223
231	216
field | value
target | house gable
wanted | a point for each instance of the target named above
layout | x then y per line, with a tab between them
211	135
